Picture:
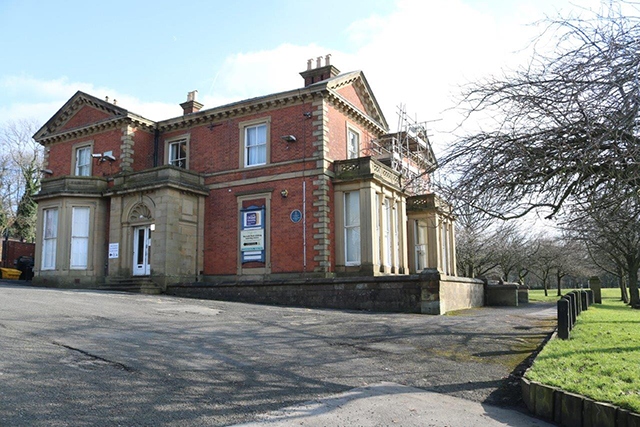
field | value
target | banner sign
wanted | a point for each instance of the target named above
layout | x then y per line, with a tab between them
252	243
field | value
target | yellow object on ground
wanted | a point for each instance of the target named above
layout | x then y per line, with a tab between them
10	273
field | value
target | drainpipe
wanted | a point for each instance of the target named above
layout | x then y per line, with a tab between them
156	143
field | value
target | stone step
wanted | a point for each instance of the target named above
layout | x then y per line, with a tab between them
143	285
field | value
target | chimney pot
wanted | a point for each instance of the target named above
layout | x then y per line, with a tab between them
191	105
314	75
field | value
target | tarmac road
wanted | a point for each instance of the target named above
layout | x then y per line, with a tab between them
85	358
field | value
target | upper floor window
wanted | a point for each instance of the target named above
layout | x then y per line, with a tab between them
178	153
83	161
353	144
255	145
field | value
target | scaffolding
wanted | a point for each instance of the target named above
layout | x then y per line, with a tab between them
407	151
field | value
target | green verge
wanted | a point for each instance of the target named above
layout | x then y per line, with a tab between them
601	358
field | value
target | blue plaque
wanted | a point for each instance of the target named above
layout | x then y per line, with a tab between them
296	215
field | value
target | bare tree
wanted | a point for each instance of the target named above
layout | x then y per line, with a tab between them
612	230
564	127
20	164
514	251
476	242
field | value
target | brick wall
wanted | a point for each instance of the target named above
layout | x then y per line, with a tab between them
12	250
85	116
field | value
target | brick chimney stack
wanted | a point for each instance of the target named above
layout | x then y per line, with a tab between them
320	73
191	106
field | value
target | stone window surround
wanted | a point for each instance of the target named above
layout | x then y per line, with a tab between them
167	144
74	159
372	250
64	230
242	126
349	130
266	195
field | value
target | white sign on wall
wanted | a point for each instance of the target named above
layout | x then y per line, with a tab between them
114	248
252	240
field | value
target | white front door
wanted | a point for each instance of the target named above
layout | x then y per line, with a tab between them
141	251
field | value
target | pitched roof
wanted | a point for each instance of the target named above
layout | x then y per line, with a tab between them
55	125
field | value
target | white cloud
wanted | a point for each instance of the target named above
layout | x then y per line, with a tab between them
251	74
418	56
40	99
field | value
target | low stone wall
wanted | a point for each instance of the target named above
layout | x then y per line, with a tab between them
502	295
458	293
426	293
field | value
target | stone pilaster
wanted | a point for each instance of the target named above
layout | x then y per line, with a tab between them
126	149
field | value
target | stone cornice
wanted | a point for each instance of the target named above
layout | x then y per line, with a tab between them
344	105
97	127
241	108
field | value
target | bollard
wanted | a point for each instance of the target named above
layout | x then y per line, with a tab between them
572	320
573	311
596	286
584	300
563	319
578	302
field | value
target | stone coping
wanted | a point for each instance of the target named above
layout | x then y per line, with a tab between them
573	410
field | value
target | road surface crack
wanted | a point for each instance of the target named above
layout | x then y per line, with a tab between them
93	360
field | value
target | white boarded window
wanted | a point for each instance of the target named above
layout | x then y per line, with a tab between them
83	161
79	237
255	145
352	228
49	238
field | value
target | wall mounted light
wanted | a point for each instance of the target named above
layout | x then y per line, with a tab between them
107	155
47	171
289	138
284	193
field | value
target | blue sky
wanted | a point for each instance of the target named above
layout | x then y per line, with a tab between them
149	54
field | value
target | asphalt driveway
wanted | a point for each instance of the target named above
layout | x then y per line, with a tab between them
73	358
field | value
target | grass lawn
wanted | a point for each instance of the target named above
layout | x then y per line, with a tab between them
601	360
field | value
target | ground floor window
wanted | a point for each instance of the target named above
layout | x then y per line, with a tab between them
50	238
352	228
79	237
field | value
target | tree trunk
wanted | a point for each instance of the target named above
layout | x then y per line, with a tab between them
624	295
544	283
633	286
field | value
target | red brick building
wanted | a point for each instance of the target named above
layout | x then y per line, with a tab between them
303	183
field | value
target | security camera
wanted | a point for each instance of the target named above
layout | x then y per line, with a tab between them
109	157
97	155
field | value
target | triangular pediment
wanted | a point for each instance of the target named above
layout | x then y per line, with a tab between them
80	110
354	88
